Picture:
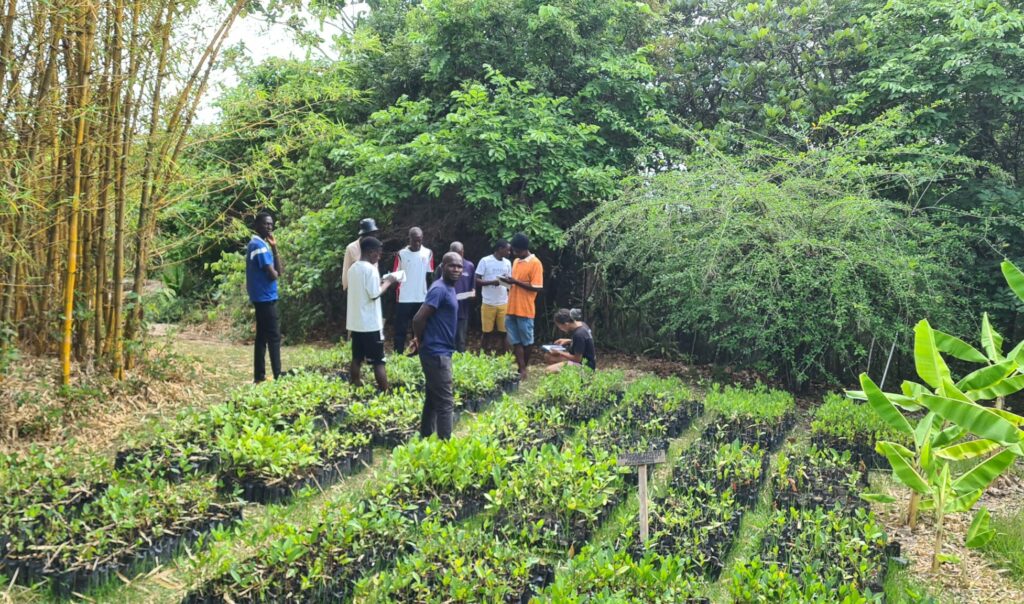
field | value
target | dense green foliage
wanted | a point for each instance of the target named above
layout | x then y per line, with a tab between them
781	185
789	260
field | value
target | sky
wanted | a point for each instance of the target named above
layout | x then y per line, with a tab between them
264	40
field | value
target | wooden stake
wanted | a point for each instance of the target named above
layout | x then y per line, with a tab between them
641	461
643	504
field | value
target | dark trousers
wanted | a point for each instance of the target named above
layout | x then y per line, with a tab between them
439	404
268	335
462	334
404	312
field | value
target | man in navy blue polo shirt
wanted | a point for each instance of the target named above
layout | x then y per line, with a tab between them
434	331
262	269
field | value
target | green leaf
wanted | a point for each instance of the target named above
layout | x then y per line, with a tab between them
991	341
988	376
968	450
963	503
976	419
958	348
924	430
949	435
980	533
927	359
884	407
1006	387
1013	418
877	498
982	475
902	468
1014	278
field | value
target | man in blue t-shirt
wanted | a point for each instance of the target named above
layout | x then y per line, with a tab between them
262	269
434	331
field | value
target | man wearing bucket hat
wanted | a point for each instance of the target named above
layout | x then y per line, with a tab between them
367	228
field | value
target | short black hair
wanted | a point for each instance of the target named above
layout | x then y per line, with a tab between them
261	215
520	241
500	244
369	244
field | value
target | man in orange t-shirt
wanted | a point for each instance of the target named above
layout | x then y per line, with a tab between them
527	279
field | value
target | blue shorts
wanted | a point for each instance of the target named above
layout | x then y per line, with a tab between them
520	330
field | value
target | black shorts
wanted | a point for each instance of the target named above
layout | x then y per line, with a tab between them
368	346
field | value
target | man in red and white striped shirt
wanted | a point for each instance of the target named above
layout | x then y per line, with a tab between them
418	263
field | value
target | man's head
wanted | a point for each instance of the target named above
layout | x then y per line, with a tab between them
501	249
264	224
368	228
451	268
370	249
456	247
415	239
520	245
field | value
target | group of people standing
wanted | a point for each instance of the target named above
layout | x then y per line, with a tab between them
435	301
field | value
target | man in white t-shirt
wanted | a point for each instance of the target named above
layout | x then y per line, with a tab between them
418	264
364	319
494	296
367	228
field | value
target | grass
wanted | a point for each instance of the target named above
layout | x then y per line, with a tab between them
901	588
1007	548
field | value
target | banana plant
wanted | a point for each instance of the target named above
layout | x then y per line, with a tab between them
940	437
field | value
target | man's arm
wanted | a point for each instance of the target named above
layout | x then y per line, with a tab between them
525	285
278	269
259	256
385	285
430	273
347	264
480	282
419	324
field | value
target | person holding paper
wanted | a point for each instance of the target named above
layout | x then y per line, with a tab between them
526	281
578	348
494	296
465	292
417	261
363	318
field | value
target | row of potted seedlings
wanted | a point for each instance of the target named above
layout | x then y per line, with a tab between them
131	526
698	515
267	442
653	411
453	563
602	574
815	555
817	478
848	425
307	430
550	505
424	481
756	415
693	521
537	497
822	544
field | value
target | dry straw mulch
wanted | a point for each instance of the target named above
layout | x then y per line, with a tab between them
98	409
975	579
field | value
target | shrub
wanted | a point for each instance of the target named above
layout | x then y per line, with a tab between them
789	260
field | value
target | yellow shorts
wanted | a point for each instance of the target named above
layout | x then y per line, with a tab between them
491	317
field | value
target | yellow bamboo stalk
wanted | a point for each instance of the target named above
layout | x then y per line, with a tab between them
85	49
